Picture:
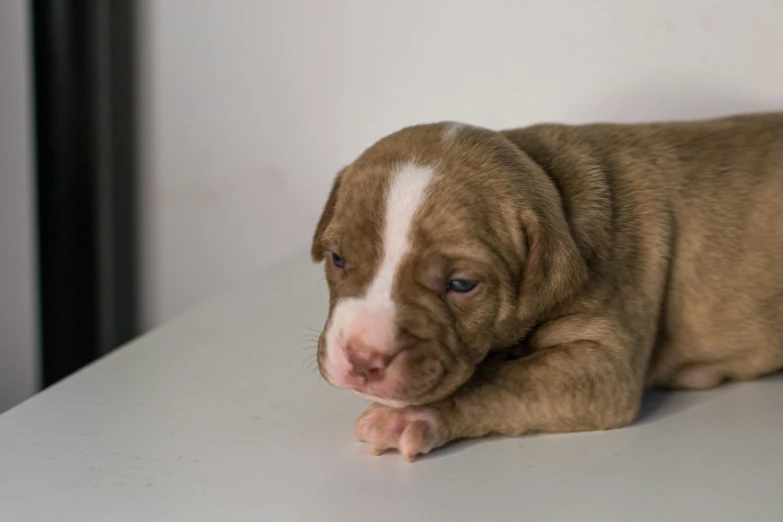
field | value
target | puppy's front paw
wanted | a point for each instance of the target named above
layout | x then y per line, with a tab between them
411	431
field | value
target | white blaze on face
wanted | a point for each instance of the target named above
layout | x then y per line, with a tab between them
370	319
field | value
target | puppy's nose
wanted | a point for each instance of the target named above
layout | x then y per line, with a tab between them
367	362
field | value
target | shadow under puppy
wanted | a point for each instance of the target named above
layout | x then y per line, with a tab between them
603	258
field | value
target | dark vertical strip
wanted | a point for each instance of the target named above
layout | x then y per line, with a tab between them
124	189
66	187
86	187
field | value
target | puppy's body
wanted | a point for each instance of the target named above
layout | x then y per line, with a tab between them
613	257
694	253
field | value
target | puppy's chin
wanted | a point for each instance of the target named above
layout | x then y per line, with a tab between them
386	402
441	390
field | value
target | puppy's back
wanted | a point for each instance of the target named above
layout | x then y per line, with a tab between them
712	192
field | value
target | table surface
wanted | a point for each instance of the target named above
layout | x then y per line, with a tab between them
220	415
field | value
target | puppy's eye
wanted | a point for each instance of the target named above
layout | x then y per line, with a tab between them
461	286
338	261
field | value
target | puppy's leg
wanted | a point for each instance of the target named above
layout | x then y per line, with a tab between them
702	376
699	377
578	386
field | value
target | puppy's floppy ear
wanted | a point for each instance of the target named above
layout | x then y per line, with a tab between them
554	269
317	248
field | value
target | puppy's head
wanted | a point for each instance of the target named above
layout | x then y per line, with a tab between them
440	243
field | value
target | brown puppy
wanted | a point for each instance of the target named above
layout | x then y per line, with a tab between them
537	280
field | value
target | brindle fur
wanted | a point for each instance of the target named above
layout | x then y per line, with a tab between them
616	257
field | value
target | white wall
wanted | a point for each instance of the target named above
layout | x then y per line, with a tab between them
250	107
18	313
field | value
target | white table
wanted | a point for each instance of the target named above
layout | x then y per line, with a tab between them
220	416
